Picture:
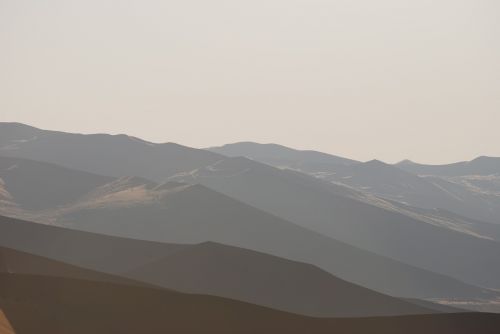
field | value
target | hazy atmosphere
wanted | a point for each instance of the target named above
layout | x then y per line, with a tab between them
242	167
389	79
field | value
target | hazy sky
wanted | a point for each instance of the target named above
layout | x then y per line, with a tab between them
390	79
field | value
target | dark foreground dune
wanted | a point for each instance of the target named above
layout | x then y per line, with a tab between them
48	305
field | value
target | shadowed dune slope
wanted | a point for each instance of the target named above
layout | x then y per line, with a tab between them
83	249
258	278
37	185
16	262
42	305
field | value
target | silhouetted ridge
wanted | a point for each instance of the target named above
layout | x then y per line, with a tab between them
113	155
482	165
281	156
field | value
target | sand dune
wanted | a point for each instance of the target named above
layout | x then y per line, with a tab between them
258	278
41	305
207	268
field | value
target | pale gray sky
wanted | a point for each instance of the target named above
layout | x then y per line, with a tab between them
390	79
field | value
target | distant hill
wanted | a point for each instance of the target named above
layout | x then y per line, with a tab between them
282	156
469	188
111	155
480	166
474	196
